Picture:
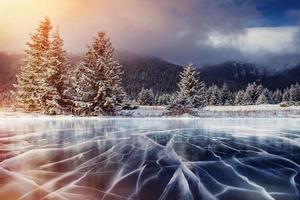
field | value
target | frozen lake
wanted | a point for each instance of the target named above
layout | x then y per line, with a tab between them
88	159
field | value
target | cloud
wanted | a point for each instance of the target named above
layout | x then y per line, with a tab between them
201	31
271	40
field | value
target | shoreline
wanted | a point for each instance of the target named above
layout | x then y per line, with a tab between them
261	111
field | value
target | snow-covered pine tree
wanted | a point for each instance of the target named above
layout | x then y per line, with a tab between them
29	91
54	101
191	90
164	100
277	97
250	95
146	97
114	73
84	79
72	85
286	95
99	88
295	92
239	98
191	94
259	90
208	95
215	99
264	98
226	95
247	99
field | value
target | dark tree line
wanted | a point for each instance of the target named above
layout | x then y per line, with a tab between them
193	93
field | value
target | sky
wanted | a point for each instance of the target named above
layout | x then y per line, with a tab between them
181	31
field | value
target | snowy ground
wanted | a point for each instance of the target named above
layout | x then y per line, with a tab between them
209	111
250	111
145	111
221	111
270	107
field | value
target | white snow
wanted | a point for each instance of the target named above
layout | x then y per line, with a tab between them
209	111
145	111
267	107
250	111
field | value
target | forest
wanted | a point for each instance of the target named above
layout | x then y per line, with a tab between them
49	82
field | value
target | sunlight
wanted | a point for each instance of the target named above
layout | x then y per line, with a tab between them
21	16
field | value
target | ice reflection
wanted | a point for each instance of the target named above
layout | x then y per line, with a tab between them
55	158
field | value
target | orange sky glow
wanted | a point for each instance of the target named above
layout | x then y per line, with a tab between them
176	30
79	20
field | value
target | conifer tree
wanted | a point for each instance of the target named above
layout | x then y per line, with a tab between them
286	95
146	97
54	101
208	95
239	98
29	89
191	93
99	89
191	90
250	95
164	99
295	92
264	98
259	90
215	96
226	96
277	97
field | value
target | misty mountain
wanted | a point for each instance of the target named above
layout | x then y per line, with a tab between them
283	79
148	72
280	63
235	74
162	76
9	67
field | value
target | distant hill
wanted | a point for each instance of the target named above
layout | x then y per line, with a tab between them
283	79
148	72
280	63
163	76
9	67
236	75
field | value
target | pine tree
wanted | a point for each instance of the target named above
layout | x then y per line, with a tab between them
286	95
163	99
191	91
99	89
277	97
226	96
264	98
295	92
113	74
239	98
215	96
146	97
208	95
54	101
251	94
259	90
29	89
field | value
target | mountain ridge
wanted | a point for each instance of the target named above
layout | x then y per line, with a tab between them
162	76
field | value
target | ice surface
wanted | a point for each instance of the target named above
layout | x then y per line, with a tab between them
151	158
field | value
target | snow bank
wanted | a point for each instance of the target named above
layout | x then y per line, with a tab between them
267	107
209	111
145	111
250	111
